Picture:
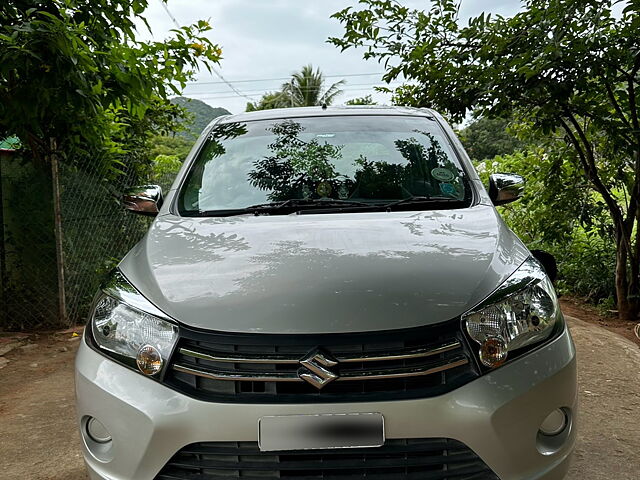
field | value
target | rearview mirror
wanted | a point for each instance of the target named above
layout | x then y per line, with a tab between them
505	188
145	200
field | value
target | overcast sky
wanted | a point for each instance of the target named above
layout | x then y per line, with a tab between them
267	39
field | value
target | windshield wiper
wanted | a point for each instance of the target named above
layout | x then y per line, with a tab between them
437	202
267	208
422	199
325	205
303	202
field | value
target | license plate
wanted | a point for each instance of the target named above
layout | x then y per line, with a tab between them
326	431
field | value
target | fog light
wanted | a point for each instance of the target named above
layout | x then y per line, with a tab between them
555	423
97	431
493	352
149	360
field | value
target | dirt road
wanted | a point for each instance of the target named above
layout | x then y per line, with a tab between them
38	438
609	380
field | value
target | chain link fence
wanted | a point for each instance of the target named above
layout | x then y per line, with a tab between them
96	234
27	257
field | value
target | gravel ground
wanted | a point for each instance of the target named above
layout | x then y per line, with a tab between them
38	438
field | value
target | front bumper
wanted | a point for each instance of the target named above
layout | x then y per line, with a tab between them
497	416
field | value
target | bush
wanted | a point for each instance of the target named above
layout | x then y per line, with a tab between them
561	215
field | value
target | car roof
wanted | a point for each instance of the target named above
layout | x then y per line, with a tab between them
279	113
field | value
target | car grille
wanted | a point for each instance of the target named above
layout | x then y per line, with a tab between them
265	368
409	459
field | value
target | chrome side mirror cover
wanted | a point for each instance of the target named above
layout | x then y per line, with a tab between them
505	188
145	199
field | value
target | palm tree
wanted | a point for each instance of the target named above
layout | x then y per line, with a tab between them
306	89
268	101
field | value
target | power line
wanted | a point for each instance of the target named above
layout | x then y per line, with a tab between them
284	78
215	97
166	9
280	94
213	69
265	90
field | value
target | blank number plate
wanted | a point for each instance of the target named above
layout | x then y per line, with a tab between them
310	432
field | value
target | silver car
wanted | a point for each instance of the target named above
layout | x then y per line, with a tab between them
327	293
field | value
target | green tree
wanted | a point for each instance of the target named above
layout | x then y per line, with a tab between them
269	101
305	89
165	169
166	156
366	100
176	146
569	67
69	69
83	95
559	213
129	140
166	153
488	137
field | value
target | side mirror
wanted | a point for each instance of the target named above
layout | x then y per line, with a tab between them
505	188
145	200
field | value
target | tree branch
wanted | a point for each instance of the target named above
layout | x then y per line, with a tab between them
634	200
576	145
585	153
616	105
632	98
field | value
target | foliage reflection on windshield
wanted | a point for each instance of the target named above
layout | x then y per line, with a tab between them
360	158
298	168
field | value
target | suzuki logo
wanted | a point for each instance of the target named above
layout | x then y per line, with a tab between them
316	371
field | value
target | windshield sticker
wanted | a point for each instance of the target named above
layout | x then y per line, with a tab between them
448	189
442	174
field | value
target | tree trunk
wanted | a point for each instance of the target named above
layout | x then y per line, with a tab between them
627	299
634	281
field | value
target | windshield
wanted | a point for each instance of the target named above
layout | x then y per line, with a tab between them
343	160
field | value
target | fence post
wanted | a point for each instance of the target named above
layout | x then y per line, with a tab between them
57	221
3	255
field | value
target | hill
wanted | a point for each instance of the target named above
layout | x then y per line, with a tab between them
202	114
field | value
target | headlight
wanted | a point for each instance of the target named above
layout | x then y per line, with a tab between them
127	327
523	311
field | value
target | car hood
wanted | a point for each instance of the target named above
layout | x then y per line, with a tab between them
323	273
